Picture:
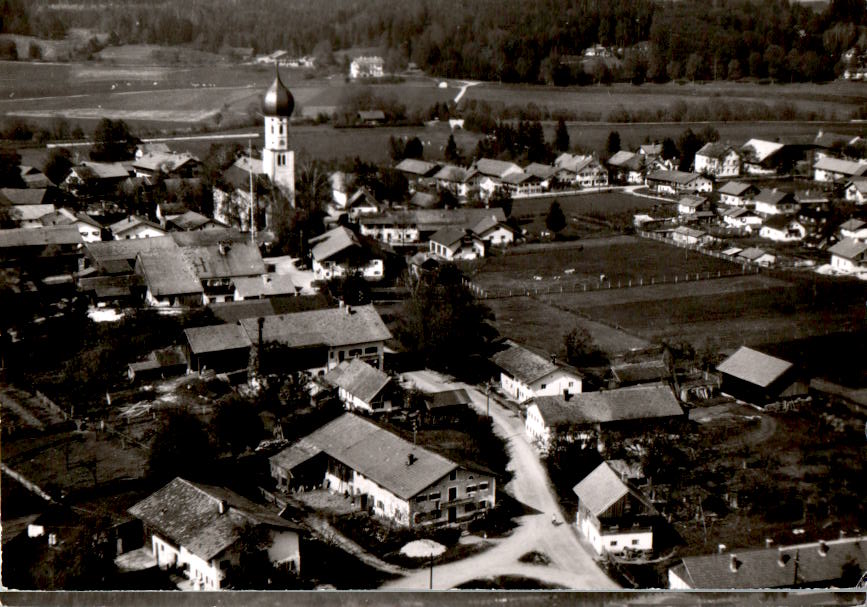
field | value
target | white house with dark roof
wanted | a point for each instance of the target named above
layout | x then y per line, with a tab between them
418	172
849	256
761	157
218	265
319	340
264	287
135	227
454	244
737	193
741	218
89	228
613	516
584	171
782	228
837	170
526	374
759	378
687	235
167	163
170	279
718	159
361	387
197	527
454	179
856	190
627	167
339	252
677	182
395	479
853	228
492	174
220	348
757	256
775	202
191	220
836	563
692	204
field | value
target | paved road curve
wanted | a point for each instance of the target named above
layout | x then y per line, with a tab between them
572	565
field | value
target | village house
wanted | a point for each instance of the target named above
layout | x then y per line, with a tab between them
393	478
169	278
627	167
93	178
22	196
758	378
361	387
526	374
135	227
159	364
264	287
158	147
775	202
455	179
761	157
197	529
119	256
757	256
856	190
741	218
29	215
692	204
833	144
362	203
545	173
319	340
849	256
687	235
578	417
191	220
523	184
583	171
221	348
423	200
448	406
737	193
837	170
89	228
612	515
418	173
218	265
853	228
34	178
492	230
340	252
367	67
455	244
836	563
168	164
631	374
491	173
417	226
46	250
718	159
783	228
677	182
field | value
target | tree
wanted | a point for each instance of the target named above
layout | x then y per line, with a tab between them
451	153
775	58
555	220
693	66
580	347
237	426
443	322
181	447
10	169
561	136
112	141
669	149
414	149
734	70
755	63
612	144
501	199
57	164
687	144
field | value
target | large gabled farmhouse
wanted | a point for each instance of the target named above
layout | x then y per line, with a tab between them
525	374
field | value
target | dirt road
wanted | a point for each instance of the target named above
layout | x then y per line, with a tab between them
572	565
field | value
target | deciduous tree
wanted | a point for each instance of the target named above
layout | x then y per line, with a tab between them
555	220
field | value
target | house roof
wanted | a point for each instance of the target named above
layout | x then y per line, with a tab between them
652	370
417	167
849	248
714	149
495	168
526	365
451	236
447	398
643	401
736	188
859	183
361	197
519	178
423	200
651	149
754	367
267	285
678	177
150	148
163	161
62	217
190	220
158	359
692	202
331	326
734	212
102	170
852	224
230	260
600	489
379	455
22	196
217	338
333	242
785	566
829	140
773	196
760	150
203	238
621	158
431	220
777	222
188	515
40	237
752	253
233	311
838	165
358	378
542	171
128	249
451	173
574	164
486	223
371	115
30	212
132	222
686	231
168	273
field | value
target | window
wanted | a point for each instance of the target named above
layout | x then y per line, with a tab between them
355	352
421	498
224	564
613	542
380	505
483	504
483	486
371	350
453	493
471	489
434	496
543	386
281	128
453	475
570	383
634	542
469	507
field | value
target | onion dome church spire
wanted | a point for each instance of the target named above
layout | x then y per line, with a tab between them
278	161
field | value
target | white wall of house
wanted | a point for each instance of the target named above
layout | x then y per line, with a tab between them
536	428
844	264
463	253
391	234
766	208
675	582
140	231
370	352
552	384
727	166
853	195
285	548
613	542
205	575
88	232
499	236
733	200
796	233
326	270
684	238
353	402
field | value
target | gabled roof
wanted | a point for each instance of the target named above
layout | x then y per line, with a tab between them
754	367
371	115
447	398
331	327
773	196
736	188
417	167
358	378
30	212
758	150
852	224
689	232
423	200
519	178
188	515
168	273
777	222
486	223
735	212
715	149
40	237
678	177
267	285
333	242
191	220
233	311
451	173
431	220
151	148
102	170
542	171
844	167
495	168
128	249
217	338
600	489
379	455
626	159
230	260
163	161
526	365
451	236
132	222
246	164
829	140
651	149
859	183
814	564
693	202
752	253
22	196
643	401
62	217
849	248
653	370
574	164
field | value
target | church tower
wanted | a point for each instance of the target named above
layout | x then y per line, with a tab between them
278	161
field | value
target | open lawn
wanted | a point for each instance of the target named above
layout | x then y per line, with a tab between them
619	260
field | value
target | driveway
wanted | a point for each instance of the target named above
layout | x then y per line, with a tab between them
571	563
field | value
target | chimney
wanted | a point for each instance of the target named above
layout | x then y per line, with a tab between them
221	507
734	564
782	558
768	542
410	459
224	246
823	548
721	548
553	359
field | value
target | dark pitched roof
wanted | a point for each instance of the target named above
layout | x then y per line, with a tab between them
333	242
227	260
813	564
188	515
128	249
267	285
777	222
423	200
331	327
773	196
40	237
417	167
600	489
844	167
190	220
379	455
754	367
524	364
20	196
736	188
715	149
233	311
636	402
647	371
447	398
625	159
495	168
204	238
131	222
542	171
168	273
217	338
358	378
849	248
678	177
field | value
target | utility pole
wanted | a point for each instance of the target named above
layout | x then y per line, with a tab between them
252	195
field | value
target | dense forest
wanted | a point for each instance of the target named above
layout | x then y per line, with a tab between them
506	40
